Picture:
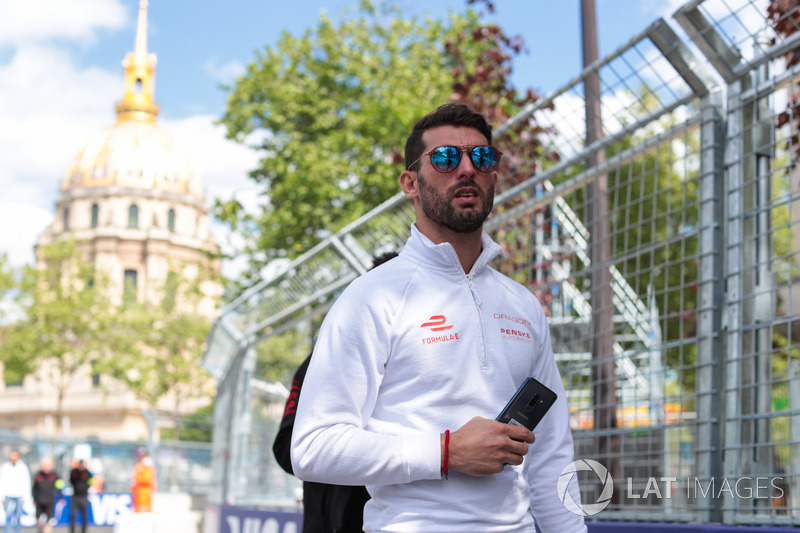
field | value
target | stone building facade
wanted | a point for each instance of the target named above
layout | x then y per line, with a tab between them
135	206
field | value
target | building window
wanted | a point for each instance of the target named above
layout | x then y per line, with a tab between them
131	283
95	375
95	214
133	216
171	220
66	219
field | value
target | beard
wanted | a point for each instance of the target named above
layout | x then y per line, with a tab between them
439	207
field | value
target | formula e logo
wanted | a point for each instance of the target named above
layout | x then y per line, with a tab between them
436	323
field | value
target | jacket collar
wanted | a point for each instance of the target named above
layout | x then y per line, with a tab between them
421	249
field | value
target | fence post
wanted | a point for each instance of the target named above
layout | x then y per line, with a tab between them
710	289
734	291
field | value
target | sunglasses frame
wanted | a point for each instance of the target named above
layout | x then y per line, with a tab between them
461	150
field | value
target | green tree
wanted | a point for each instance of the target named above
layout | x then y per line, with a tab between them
6	276
278	356
333	107
7	290
10	296
653	222
655	208
196	427
163	345
66	323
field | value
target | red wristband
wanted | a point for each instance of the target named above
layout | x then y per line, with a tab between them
446	451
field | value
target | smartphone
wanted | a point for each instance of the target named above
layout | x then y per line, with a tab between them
528	405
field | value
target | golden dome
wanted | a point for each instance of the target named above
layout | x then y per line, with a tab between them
134	152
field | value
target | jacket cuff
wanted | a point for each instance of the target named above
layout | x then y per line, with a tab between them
423	453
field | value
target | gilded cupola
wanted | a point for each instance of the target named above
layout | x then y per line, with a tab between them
134	152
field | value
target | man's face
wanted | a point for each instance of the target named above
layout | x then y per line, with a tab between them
459	200
14	456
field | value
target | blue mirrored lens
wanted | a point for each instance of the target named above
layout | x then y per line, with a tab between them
446	158
485	158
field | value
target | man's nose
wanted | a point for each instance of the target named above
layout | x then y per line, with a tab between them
465	169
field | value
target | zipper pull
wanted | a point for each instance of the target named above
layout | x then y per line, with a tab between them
472	290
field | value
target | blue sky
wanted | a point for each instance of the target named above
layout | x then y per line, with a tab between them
197	39
60	77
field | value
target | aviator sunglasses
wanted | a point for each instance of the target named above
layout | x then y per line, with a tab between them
446	159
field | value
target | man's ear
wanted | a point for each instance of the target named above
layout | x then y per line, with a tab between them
408	182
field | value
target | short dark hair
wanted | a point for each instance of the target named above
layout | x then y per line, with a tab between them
451	114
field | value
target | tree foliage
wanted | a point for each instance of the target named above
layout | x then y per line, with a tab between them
66	324
278	356
784	15
164	344
71	327
6	277
7	292
196	427
333	107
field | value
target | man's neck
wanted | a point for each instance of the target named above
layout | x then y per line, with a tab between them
467	245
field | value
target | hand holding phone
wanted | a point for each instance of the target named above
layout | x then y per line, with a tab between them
528	405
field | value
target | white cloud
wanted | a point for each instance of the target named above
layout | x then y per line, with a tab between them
25	21
223	165
225	73
662	8
49	110
20	226
739	22
51	107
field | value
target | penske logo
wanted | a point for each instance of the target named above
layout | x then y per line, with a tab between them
515	333
518	332
437	324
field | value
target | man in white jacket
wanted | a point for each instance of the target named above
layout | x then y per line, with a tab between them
417	357
15	490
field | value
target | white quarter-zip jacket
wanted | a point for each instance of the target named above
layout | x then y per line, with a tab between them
15	480
415	347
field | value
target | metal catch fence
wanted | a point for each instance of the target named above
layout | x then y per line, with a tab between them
665	254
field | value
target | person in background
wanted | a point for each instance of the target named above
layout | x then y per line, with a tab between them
96	466
143	483
326	508
81	479
417	357
47	485
15	490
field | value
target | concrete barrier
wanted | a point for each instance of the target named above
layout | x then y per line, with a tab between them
172	513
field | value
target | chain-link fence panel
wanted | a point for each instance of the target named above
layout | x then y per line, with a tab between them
664	253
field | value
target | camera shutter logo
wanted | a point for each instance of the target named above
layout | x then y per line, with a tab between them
585	509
